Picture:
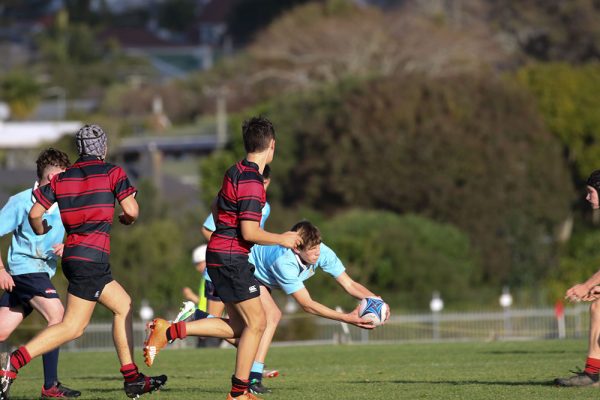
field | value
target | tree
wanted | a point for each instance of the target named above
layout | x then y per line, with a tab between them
402	257
21	92
567	97
470	151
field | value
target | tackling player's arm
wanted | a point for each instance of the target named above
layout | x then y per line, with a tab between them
131	210
9	221
313	307
252	232
38	224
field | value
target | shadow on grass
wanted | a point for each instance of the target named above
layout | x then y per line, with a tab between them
502	352
460	382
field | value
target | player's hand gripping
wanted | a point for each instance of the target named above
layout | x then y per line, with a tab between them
578	292
6	281
354	319
291	240
58	249
125	219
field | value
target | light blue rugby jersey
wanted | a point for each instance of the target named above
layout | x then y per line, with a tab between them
280	268
209	223
28	252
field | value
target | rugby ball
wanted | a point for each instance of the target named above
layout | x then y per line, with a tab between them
374	309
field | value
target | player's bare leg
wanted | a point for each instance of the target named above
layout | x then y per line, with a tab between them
589	376
253	315
11	317
273	316
117	300
76	318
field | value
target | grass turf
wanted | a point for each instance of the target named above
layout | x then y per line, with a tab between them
497	370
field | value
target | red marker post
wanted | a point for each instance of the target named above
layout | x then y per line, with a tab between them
559	313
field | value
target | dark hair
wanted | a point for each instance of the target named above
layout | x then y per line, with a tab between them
267	172
51	158
310	234
594	180
257	133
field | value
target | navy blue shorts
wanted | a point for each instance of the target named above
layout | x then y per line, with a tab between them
234	282
26	287
210	292
87	279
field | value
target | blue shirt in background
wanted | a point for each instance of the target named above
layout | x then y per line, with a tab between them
280	268
30	253
209	223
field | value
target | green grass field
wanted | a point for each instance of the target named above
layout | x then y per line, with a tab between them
497	370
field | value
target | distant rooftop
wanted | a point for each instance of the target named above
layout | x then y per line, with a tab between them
22	135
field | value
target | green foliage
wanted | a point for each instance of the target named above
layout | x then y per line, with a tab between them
579	261
21	92
402	258
567	97
467	150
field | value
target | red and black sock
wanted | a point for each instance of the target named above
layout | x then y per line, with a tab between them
238	386
176	331
130	372
19	358
592	366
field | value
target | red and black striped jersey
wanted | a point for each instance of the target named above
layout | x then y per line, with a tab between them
242	197
86	194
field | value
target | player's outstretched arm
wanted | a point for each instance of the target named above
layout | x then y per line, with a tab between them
252	232
38	224
357	290
313	307
131	210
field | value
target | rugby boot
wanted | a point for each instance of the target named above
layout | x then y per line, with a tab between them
245	396
144	384
156	339
579	379
7	375
270	373
256	387
59	391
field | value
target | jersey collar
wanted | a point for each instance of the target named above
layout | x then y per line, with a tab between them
250	164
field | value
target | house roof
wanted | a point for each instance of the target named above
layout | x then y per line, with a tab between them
20	135
216	11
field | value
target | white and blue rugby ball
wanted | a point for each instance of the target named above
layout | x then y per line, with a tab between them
374	309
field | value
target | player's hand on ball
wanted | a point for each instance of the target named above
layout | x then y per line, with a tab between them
354	319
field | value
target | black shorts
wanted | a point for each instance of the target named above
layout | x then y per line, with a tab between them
210	291
26	287
87	279
234	282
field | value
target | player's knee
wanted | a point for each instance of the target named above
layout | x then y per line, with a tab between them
4	334
124	308
74	330
273	318
258	324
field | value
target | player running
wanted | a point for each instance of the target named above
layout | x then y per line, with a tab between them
31	263
238	209
287	269
86	194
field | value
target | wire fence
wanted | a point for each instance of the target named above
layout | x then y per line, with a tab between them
303	329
